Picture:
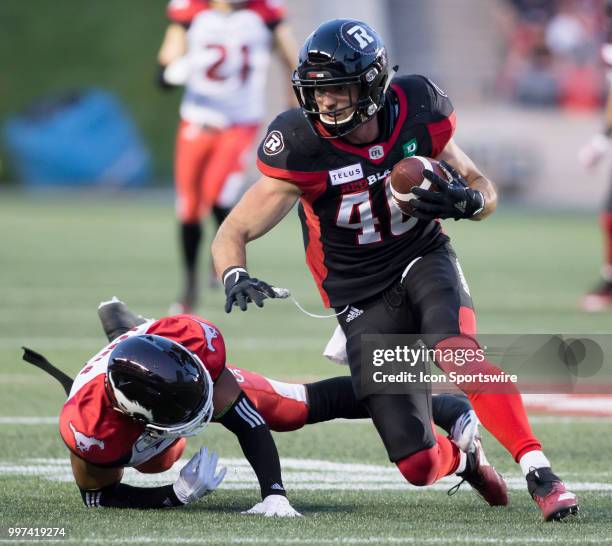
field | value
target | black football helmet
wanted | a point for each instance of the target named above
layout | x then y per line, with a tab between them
160	383
342	52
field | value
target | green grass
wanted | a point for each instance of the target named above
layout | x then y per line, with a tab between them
60	256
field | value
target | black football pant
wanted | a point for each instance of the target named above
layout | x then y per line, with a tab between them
431	300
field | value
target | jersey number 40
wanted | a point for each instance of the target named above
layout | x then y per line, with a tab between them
368	225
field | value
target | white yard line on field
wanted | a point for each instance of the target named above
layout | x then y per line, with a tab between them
29	420
54	342
536	419
298	474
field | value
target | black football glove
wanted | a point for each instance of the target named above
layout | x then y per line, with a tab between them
454	199
240	289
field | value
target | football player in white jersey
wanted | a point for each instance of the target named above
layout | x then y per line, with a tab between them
220	51
599	298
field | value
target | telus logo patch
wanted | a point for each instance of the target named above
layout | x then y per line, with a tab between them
346	174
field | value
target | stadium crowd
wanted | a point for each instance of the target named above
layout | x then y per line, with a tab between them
551	57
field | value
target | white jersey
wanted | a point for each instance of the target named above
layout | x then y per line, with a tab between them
228	56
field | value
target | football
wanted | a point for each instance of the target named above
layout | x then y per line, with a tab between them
408	173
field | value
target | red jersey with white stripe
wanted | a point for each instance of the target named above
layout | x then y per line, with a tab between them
284	406
357	241
90	426
228	53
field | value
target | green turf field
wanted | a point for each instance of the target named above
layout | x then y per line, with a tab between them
60	256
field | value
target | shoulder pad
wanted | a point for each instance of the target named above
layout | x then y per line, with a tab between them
271	11
423	94
93	430
290	151
183	11
196	334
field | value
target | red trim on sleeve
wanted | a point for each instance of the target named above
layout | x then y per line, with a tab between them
364	151
440	133
183	11
312	184
197	335
271	11
315	255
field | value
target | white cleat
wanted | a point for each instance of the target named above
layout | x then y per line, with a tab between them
465	431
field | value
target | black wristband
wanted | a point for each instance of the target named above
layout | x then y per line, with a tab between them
257	444
121	495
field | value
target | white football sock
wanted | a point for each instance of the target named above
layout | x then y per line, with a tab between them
533	459
462	462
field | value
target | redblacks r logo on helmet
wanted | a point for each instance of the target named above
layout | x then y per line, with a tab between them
274	143
358	37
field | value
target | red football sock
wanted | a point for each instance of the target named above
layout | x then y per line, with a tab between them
429	465
501	413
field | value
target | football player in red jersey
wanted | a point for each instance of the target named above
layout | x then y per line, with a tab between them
598	146
394	274
136	401
220	51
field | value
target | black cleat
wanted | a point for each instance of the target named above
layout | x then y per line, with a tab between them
483	478
550	494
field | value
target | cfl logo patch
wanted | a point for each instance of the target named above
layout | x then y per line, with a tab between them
274	143
376	152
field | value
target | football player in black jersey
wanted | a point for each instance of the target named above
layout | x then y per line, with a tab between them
383	272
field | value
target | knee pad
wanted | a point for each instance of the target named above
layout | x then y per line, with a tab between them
420	468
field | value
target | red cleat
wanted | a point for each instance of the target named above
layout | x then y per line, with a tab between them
549	493
483	478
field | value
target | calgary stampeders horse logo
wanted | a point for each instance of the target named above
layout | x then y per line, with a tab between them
83	442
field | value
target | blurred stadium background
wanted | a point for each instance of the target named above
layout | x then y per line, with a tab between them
525	76
528	86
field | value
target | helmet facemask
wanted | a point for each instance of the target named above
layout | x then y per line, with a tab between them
372	87
197	424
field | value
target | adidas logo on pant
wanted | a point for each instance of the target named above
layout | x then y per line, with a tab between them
353	313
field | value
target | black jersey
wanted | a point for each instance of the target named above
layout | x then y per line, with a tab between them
357	241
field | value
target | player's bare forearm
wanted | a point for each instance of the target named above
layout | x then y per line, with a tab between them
487	188
88	476
174	44
263	206
286	45
608	115
456	157
287	50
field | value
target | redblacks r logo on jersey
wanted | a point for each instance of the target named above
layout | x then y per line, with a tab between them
274	143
